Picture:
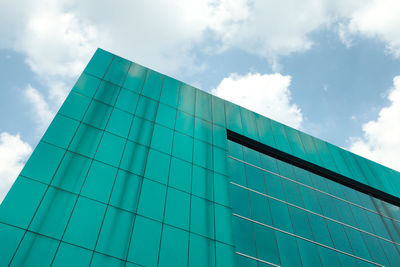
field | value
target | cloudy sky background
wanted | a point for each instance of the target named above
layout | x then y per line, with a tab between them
329	68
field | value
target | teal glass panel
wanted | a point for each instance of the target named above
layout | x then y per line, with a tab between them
107	93
166	116
10	238
203	105
186	99
110	149
61	131
244	236
281	140
99	181
219	136
53	213
84	225
320	230
202	183
72	172
170	91
280	215
115	233
355	169
201	251
127	101
221	190
147	108
183	146
233	118
152	200
218	111
134	158
325	155
249	124
287	245
135	78
141	131
224	255
310	149
86	140
255	179
86	85
235	150
328	257
245	261
157	166
125	194
75	106
202	217
119	123
240	201
180	175
184	123
153	84
162	139
99	63
295	143
236	172
309	253
97	114
339	237
339	160
267	247
203	130
265	131
43	162
117	70
70	255
223	224
260	208
100	260
35	250
177	209
202	154
145	242
174	247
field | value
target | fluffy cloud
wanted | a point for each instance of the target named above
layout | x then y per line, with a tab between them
42	112
378	19
267	94
380	141
13	154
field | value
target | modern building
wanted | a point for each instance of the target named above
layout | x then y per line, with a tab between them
139	169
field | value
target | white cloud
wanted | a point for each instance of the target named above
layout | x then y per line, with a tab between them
377	19
13	154
380	141
42	112
267	94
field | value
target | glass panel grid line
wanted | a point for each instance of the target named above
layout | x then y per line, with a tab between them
116	175
306	239
48	186
90	166
313	188
312	212
257	259
167	189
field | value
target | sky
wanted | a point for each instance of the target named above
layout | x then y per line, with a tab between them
328	68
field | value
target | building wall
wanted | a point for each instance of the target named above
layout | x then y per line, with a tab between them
134	169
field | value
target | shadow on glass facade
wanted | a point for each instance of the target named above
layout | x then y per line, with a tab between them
136	170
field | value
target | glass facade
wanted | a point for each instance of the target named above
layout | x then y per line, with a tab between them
136	170
280	210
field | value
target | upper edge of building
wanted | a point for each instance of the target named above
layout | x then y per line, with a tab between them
287	139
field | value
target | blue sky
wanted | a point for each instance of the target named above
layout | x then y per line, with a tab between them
329	68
